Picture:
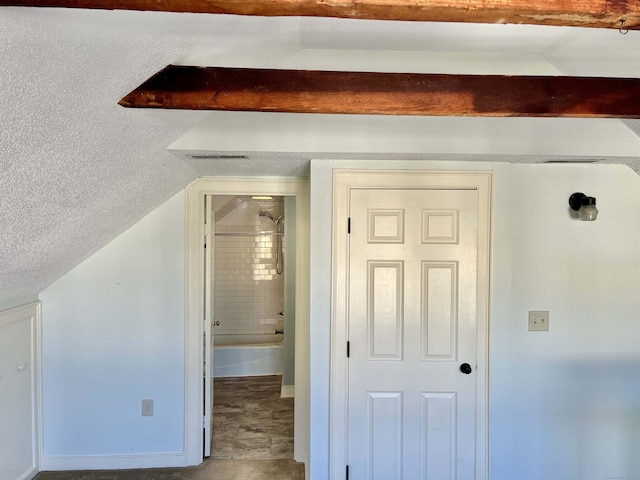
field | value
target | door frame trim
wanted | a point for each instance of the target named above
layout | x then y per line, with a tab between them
281	186
344	180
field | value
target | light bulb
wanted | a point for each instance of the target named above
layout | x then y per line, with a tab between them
588	211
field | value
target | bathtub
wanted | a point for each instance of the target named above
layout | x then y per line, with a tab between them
247	355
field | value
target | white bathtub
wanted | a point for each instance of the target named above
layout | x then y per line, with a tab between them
247	355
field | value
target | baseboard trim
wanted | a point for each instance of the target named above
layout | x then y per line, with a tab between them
288	391
234	375
29	474
112	462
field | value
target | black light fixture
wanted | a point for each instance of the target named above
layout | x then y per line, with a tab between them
584	205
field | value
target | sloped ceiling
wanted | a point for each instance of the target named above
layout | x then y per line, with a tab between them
76	169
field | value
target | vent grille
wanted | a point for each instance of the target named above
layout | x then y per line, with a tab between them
571	161
214	156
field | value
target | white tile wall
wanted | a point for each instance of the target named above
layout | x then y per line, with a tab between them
248	293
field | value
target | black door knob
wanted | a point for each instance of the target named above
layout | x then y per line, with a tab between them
466	368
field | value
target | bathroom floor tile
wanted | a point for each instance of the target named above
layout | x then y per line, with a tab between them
220	469
250	420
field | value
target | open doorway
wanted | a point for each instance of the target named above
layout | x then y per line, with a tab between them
294	199
253	326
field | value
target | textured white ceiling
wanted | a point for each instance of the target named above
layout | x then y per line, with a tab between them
76	169
436	37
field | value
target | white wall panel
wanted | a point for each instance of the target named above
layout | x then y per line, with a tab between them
573	389
19	385
113	334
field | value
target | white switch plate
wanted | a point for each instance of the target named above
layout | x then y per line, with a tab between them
147	408
539	321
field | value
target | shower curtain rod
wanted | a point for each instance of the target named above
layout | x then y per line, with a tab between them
247	234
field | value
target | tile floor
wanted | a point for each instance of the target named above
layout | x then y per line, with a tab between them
250	420
264	469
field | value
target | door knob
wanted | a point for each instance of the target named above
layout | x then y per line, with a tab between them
466	368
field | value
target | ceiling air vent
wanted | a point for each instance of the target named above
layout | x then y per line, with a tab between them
215	156
572	161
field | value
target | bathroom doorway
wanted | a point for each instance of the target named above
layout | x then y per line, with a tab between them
253	325
279	231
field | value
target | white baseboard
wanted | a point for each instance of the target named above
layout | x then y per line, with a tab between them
112	462
29	474
287	391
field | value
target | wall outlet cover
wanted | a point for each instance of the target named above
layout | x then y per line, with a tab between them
147	408
538	321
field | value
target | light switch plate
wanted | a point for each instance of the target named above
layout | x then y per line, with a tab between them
538	321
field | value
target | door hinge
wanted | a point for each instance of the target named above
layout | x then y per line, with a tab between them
349	225
204	422
347	472
348	348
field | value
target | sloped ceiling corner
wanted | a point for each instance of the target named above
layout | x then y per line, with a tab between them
76	169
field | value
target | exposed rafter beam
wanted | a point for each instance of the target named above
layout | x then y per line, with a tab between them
307	91
580	13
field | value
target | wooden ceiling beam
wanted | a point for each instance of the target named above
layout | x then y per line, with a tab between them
579	13
308	91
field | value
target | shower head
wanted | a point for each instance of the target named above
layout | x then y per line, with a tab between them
264	213
279	228
277	221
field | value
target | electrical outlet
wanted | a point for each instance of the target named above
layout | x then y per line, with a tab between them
538	321
147	408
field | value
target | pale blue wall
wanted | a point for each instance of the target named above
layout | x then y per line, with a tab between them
564	404
18	302
113	334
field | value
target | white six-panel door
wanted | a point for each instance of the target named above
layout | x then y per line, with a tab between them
412	324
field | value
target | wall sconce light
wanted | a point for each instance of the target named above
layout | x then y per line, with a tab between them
585	206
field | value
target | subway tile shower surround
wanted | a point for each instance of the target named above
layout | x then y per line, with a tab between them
248	292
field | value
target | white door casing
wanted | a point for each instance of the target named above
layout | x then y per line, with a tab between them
411	296
194	329
208	325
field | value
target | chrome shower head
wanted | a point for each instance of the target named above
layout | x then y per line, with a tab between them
264	213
